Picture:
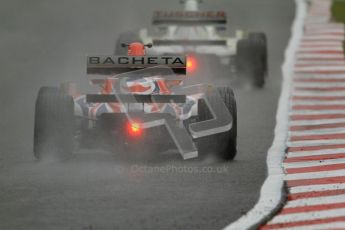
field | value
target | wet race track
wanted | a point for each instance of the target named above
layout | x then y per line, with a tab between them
45	43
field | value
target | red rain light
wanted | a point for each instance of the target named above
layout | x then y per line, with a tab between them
134	129
191	64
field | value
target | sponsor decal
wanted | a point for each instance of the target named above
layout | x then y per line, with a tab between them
135	61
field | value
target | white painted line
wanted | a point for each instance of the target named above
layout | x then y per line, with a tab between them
321	68
315	142
317	188
316	112
317	131
317	122
315	201
321	63
320	85
304	164
315	102
307	216
301	136
322	76
319	56
321	89
323	37
320	46
324	31
327	28
316	152
317	93
321	27
315	175
321	49
321	43
271	192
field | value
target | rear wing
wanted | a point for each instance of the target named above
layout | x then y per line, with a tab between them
134	98
192	18
109	65
195	42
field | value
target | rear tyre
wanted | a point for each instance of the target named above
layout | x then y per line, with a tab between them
127	38
54	124
224	143
251	58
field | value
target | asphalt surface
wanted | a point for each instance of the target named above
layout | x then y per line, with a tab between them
45	43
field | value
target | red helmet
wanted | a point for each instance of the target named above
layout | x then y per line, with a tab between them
136	48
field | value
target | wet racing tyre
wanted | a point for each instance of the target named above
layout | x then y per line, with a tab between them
259	36
251	59
54	124
225	144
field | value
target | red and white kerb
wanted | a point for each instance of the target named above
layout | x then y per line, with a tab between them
315	158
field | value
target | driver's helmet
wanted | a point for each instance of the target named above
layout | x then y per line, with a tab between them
136	49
